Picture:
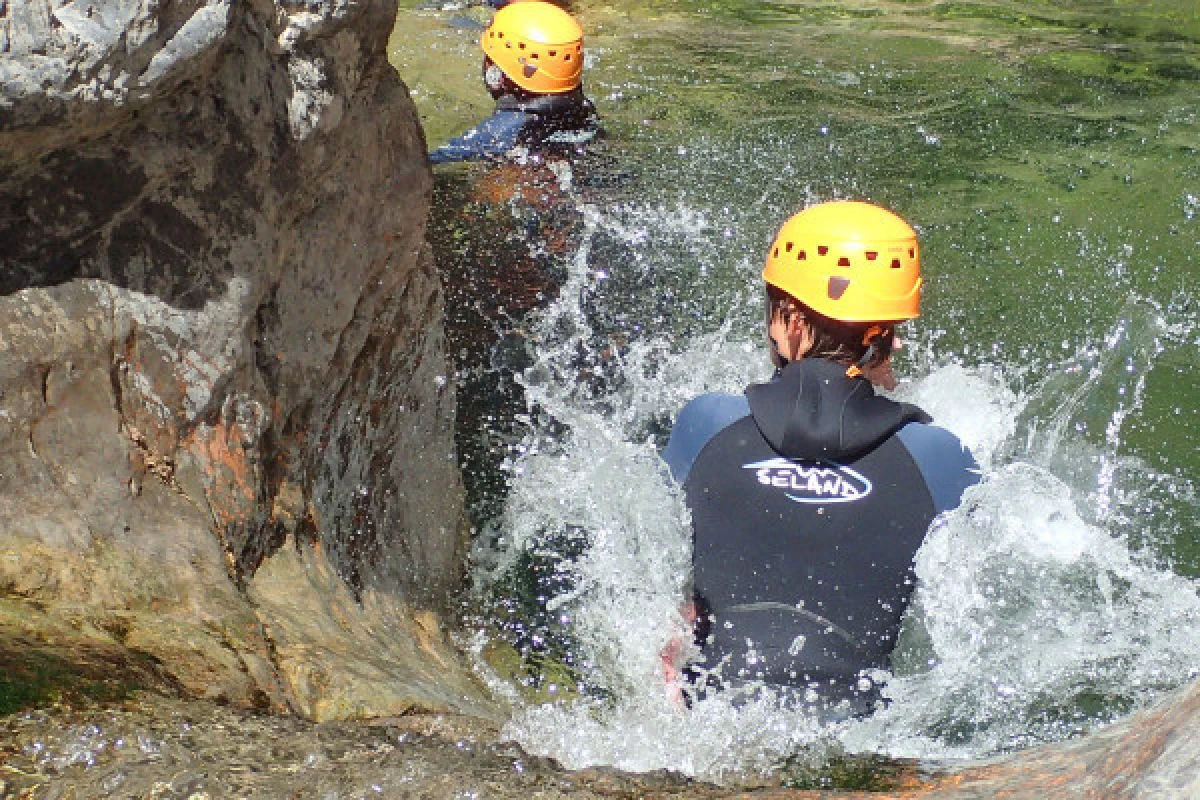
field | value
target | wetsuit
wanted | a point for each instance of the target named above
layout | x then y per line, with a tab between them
809	497
536	122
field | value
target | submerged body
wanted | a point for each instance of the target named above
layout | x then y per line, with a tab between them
809	495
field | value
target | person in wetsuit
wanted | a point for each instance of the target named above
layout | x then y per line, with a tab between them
533	68
810	493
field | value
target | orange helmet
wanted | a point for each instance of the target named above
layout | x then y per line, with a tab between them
850	261
537	45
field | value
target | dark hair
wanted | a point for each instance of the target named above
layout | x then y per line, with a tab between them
845	342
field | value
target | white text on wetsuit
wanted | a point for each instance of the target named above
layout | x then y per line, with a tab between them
811	482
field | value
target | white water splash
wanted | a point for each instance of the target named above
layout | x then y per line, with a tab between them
1031	621
975	405
1038	625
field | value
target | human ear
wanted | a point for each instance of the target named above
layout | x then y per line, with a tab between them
800	335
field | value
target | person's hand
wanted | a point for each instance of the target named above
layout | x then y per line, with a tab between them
672	654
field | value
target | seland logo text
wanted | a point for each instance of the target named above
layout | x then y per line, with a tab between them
811	481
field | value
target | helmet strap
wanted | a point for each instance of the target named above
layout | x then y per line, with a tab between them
869	339
855	370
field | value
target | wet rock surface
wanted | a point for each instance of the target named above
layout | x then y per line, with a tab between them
226	431
152	747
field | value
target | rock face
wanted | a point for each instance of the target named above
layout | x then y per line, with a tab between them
225	427
1154	753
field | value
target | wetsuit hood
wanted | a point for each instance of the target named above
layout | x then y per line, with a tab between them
811	410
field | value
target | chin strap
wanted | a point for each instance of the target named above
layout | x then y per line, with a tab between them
870	338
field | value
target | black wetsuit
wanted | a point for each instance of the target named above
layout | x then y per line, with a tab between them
809	498
536	122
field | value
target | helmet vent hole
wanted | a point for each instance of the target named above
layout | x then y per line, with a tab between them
822	250
567	57
521	45
895	263
912	253
837	287
872	255
789	246
552	53
802	255
843	262
776	253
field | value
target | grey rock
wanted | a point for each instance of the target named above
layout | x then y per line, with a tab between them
1154	753
99	26
221	353
202	30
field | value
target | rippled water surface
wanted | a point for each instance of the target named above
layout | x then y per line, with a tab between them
1047	153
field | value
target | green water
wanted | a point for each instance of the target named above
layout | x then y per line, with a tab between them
1047	152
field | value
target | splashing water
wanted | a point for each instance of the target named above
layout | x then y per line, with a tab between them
1038	626
1035	618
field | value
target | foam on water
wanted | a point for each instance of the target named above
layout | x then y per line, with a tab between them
1036	626
1033	620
